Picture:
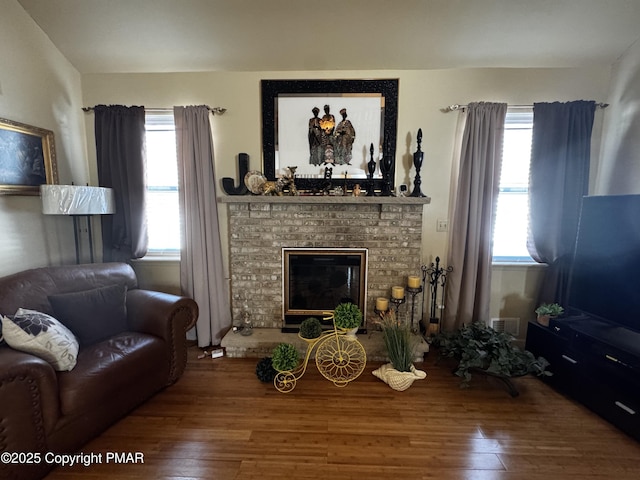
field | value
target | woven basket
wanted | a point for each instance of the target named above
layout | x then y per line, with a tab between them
399	381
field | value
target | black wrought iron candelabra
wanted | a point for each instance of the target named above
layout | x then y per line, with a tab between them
435	276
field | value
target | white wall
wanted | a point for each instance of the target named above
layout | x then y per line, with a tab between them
39	87
620	158
422	95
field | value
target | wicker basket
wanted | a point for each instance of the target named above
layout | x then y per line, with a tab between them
399	381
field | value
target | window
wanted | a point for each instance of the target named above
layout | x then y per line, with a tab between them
512	215
163	217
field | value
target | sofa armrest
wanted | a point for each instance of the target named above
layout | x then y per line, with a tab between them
166	316
29	401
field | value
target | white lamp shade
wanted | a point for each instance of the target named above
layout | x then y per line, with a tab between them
76	200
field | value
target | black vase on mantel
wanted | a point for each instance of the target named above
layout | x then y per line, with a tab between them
418	157
371	166
386	165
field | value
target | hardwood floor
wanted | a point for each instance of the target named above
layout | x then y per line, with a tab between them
220	422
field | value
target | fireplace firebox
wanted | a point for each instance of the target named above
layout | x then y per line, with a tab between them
316	280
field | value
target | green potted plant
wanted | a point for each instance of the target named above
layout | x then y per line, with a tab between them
264	370
310	328
347	316
285	357
479	348
547	311
399	343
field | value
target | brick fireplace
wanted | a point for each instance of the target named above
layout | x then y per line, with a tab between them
390	228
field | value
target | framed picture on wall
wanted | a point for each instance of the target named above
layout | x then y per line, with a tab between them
27	158
315	125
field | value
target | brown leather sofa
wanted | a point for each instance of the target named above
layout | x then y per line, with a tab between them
43	410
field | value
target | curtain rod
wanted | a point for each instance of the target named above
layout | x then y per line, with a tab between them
214	110
455	106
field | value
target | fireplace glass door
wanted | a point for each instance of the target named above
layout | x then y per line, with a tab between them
317	280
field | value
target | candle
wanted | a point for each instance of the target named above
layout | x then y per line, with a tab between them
397	292
382	304
413	281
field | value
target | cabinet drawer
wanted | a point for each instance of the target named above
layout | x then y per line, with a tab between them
543	342
618	408
569	365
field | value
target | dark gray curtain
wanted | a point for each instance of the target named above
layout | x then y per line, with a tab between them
120	149
558	179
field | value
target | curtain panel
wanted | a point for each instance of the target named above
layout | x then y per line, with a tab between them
202	274
120	150
558	179
470	242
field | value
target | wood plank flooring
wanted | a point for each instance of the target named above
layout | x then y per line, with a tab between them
220	422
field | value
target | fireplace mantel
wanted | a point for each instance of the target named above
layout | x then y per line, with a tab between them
325	199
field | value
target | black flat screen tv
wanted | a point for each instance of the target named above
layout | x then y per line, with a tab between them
605	273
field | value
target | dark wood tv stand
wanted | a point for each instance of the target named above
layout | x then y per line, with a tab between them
594	362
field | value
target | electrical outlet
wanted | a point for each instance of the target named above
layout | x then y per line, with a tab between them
442	225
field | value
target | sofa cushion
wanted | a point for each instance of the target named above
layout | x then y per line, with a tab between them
124	369
42	335
92	315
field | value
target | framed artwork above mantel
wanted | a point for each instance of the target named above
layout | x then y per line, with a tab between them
328	125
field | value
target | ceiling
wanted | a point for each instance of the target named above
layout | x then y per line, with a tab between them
99	36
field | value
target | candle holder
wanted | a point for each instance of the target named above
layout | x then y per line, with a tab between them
247	324
381	313
397	302
413	292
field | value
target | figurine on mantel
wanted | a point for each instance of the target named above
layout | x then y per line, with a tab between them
273	187
282	184
326	186
292	181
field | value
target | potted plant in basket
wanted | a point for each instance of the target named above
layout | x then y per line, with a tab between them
479	348
310	328
347	316
400	344
285	357
547	311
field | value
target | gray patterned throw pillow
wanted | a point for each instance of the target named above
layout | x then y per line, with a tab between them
42	335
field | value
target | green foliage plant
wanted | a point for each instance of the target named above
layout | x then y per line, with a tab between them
264	370
347	316
478	346
551	309
398	341
285	357
310	328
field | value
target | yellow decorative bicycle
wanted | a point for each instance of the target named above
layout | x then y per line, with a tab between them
340	358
